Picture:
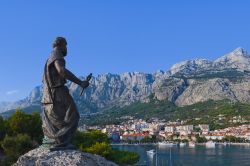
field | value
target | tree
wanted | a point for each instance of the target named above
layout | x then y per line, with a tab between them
14	146
30	124
18	122
103	149
87	139
124	157
200	139
20	133
120	157
3	128
229	138
149	139
97	143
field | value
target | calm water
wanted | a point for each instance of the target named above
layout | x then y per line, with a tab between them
198	156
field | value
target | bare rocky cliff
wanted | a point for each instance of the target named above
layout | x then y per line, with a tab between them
186	83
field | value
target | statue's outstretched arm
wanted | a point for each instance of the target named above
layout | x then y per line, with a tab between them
60	67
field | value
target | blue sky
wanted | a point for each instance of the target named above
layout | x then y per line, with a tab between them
114	36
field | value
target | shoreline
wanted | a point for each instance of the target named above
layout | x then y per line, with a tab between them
120	144
199	144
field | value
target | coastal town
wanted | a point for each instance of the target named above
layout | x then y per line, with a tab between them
155	131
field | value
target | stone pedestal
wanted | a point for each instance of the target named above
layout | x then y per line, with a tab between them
44	157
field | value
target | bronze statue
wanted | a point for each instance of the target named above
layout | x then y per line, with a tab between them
60	116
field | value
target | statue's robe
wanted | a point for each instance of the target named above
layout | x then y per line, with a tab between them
60	116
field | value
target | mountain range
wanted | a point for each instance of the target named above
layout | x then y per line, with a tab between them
186	83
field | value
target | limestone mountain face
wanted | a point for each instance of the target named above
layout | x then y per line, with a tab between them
110	90
170	88
105	91
238	59
186	83
225	78
191	66
215	89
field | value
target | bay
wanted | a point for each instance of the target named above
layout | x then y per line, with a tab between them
230	155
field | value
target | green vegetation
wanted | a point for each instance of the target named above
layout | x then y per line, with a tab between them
22	132
218	114
231	74
229	138
87	139
19	134
149	139
200	139
97	143
154	108
16	146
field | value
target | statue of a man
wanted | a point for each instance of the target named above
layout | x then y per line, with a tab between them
60	116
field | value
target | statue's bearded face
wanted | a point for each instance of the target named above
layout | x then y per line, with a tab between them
61	44
63	48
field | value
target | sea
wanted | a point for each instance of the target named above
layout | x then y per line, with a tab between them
220	155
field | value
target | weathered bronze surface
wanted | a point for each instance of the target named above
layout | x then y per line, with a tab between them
60	116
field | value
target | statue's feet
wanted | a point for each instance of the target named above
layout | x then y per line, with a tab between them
48	142
62	147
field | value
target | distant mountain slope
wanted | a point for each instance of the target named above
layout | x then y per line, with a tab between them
186	83
218	114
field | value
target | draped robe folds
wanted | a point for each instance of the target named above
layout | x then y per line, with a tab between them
60	116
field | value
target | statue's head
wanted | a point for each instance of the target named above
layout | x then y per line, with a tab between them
61	43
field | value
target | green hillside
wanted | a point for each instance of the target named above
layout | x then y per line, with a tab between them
216	113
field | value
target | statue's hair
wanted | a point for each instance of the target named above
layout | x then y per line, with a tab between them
59	41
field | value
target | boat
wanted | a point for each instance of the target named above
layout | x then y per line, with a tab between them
210	144
151	152
164	143
191	144
225	143
182	144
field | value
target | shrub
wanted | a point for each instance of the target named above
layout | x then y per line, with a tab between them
97	143
30	124
15	146
103	149
87	139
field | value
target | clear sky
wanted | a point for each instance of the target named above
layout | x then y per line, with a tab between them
114	36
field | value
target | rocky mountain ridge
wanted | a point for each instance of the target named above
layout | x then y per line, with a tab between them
237	59
186	83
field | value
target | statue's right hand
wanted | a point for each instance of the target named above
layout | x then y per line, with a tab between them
84	84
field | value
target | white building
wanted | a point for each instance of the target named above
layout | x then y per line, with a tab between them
214	136
169	129
204	127
188	128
